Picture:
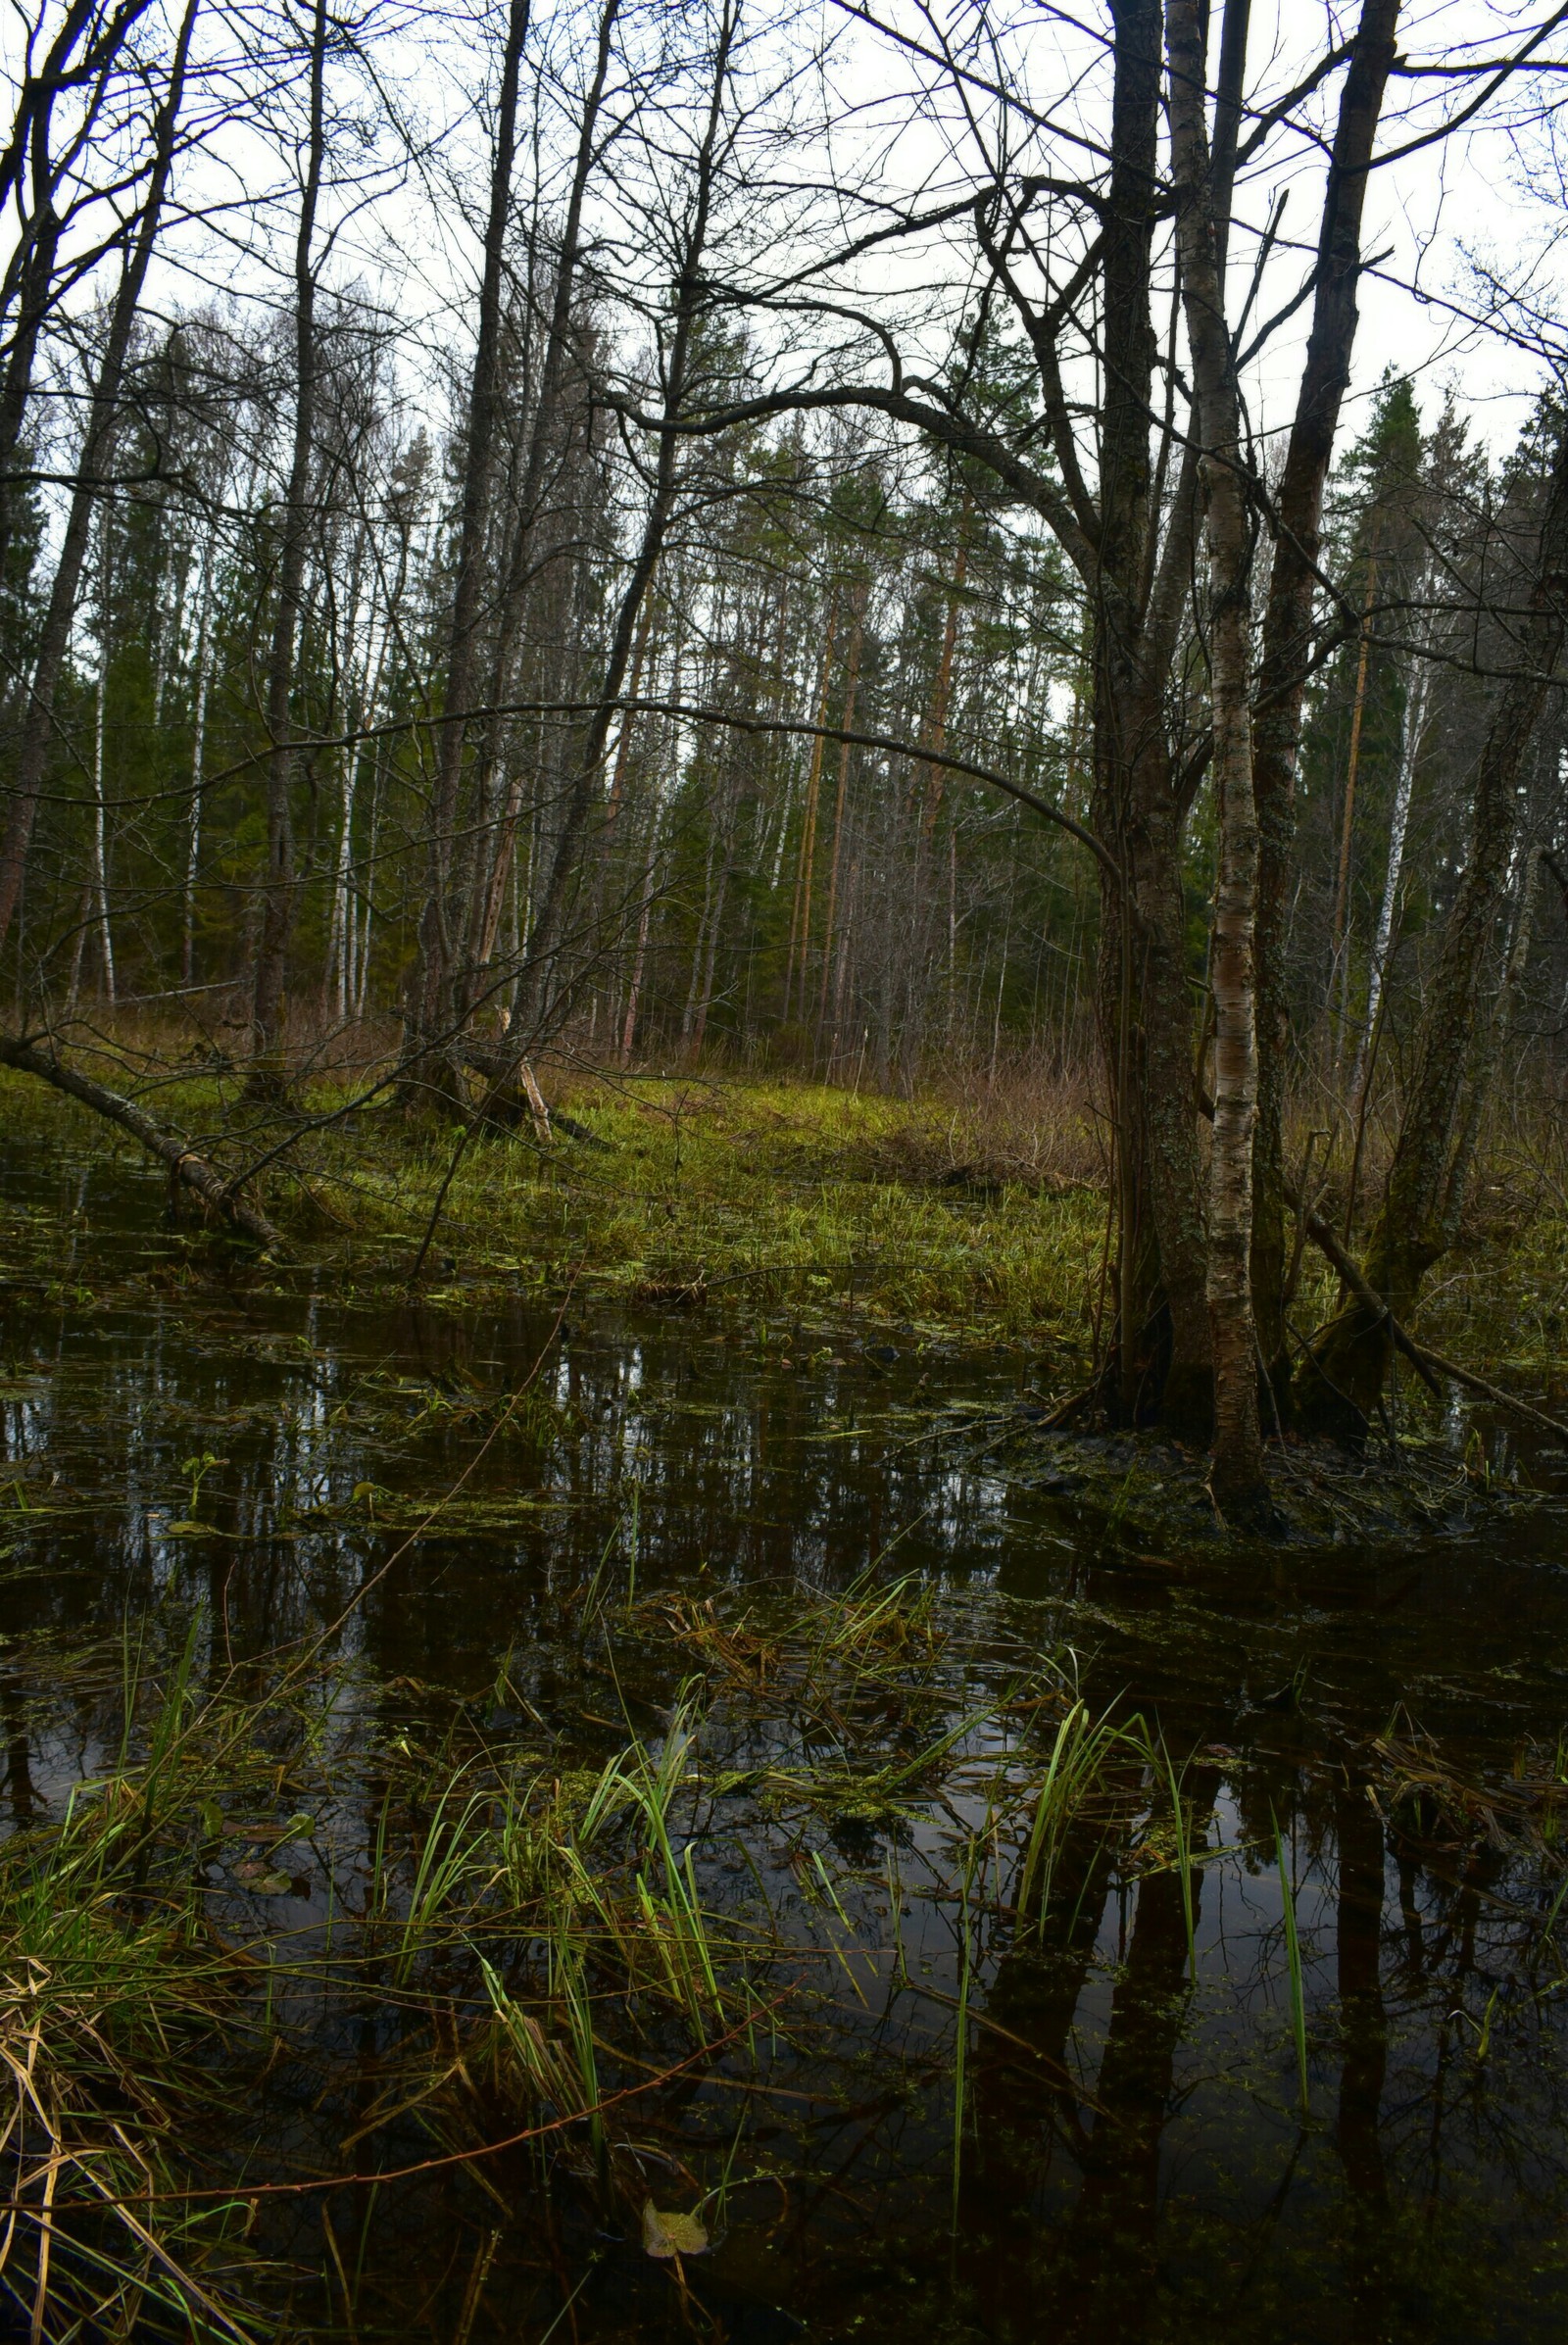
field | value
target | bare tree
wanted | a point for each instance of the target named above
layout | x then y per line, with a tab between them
102	416
266	1082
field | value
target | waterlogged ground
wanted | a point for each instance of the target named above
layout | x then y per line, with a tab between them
1090	1941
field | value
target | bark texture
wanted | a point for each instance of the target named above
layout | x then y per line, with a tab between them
1418	1217
1237	1455
1161	1350
1288	636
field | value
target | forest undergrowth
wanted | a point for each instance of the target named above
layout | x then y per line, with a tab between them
970	1214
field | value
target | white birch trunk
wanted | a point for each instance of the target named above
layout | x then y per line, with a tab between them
1415	717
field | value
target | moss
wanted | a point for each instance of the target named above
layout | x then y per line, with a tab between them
971	1222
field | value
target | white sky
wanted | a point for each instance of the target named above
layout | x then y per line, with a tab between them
1490	192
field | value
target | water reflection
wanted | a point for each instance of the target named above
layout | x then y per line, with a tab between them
1134	2162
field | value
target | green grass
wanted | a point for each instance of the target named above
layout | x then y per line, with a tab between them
979	1219
114	1994
751	1199
538	1943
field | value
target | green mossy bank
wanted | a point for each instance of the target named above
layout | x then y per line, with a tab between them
771	1207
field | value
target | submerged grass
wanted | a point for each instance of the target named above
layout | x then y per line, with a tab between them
746	1197
544	1950
755	1198
596	1970
112	1992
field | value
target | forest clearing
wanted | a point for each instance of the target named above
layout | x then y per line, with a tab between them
783	1172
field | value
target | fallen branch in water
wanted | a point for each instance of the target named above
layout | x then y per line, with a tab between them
185	1167
1428	1365
1495	1393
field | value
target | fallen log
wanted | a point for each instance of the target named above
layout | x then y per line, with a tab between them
185	1167
1323	1236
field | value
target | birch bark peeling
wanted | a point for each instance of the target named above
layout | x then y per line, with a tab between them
1237	1475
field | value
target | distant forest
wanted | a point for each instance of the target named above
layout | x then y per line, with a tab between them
274	505
654	533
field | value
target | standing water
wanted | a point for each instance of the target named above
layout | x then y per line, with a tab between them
675	1840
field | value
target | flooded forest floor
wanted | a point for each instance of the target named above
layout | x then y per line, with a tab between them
580	1763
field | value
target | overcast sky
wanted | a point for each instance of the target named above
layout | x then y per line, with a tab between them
877	116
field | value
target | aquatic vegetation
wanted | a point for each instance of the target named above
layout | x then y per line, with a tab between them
790	1214
112	1992
529	1939
740	1199
588	1823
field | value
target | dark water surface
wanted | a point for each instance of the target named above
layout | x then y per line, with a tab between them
1134	2159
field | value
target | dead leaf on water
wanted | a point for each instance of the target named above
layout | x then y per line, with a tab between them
261	1880
668	2235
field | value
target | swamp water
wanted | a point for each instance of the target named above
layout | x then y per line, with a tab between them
864	1898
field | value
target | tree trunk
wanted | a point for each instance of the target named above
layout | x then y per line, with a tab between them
1161	1350
1338	1001
39	729
100	841
851	687
801	910
537	980
31	177
185	1167
1238	1454
1418	1217
436	943
266	1082
198	753
1288	640
480	882
1415	718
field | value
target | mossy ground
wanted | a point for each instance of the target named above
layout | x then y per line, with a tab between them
974	1220
756	1198
750	1199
